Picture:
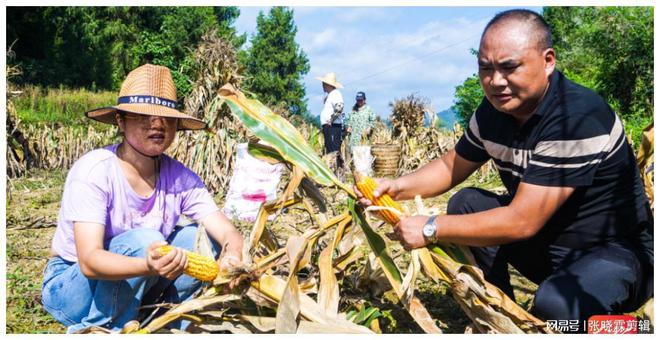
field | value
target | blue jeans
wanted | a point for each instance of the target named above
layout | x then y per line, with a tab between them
78	302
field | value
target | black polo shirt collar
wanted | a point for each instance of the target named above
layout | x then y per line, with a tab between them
550	95
547	104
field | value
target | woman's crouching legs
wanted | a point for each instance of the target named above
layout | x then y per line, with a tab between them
115	302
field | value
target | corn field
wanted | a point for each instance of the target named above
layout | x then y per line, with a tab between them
312	254
290	280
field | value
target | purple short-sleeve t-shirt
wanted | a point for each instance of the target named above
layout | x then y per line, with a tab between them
96	190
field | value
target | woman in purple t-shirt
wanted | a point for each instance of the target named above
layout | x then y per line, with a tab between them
123	201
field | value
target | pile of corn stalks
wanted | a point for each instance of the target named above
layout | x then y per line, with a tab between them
426	144
209	153
290	282
17	148
408	114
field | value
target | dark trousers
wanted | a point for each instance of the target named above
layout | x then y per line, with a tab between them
573	284
332	134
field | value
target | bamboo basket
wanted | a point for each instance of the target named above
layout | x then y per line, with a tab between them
387	158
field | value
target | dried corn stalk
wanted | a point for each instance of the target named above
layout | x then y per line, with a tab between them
408	114
275	282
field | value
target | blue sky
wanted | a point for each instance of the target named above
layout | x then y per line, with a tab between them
387	52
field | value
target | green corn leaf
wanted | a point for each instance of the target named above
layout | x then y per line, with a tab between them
281	135
264	153
453	252
365	316
372	317
376	243
392	273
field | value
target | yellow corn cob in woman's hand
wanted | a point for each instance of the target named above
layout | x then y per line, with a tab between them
367	185
200	267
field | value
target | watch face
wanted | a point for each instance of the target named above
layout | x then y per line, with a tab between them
428	230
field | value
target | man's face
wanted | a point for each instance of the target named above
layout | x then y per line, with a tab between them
327	88
512	69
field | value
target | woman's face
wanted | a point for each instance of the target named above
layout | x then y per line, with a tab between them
360	102
150	135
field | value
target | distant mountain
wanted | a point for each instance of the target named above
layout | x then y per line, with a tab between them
447	117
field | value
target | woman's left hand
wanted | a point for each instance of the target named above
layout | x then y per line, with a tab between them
227	263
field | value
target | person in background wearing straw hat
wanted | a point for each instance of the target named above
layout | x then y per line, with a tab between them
332	115
575	219
123	201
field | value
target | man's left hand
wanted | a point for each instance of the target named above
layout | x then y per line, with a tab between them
409	232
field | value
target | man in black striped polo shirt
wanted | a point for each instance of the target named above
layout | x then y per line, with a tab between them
575	220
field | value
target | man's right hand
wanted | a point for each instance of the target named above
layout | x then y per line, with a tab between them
169	266
383	186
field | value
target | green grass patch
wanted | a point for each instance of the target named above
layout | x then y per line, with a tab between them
37	105
24	311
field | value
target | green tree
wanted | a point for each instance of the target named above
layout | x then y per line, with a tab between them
275	64
609	49
95	47
467	98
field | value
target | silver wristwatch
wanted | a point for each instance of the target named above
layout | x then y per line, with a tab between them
430	229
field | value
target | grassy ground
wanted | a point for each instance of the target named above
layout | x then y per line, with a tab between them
28	199
32	207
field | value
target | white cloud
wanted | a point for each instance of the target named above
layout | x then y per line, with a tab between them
388	52
356	14
323	39
429	58
247	20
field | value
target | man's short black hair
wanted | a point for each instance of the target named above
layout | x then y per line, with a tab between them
535	20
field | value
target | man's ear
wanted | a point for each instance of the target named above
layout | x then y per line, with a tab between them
550	61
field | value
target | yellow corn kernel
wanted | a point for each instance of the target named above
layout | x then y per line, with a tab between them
200	267
367	185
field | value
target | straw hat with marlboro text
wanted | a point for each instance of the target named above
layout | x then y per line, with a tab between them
330	79
147	90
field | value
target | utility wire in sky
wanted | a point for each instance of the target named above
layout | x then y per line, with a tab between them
413	59
399	47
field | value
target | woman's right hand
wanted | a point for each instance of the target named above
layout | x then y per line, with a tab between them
383	186
170	265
